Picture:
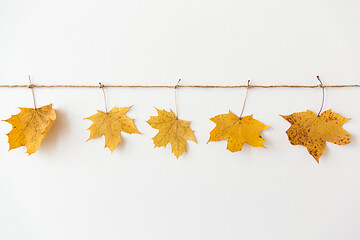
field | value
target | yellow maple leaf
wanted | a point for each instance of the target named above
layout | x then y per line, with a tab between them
237	131
111	124
29	127
171	130
313	131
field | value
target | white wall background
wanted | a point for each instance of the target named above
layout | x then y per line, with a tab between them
72	189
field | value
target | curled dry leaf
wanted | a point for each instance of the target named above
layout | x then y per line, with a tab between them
237	131
30	127
110	125
313	131
171	130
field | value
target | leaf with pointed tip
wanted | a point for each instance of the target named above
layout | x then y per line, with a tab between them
171	130
237	131
110	125
29	127
313	131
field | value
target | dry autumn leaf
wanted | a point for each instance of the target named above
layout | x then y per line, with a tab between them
30	127
237	131
111	124
171	130
313	131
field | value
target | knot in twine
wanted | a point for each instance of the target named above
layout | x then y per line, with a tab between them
177	84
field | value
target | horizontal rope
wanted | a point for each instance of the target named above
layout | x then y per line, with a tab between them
181	86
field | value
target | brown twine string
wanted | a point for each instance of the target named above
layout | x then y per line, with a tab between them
183	86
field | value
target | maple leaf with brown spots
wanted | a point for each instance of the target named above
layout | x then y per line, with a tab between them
313	131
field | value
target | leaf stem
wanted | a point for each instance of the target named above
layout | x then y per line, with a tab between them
105	99
243	107
176	105
323	95
31	86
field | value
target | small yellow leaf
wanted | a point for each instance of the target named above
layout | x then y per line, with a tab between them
110	125
313	131
29	127
237	131
171	130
